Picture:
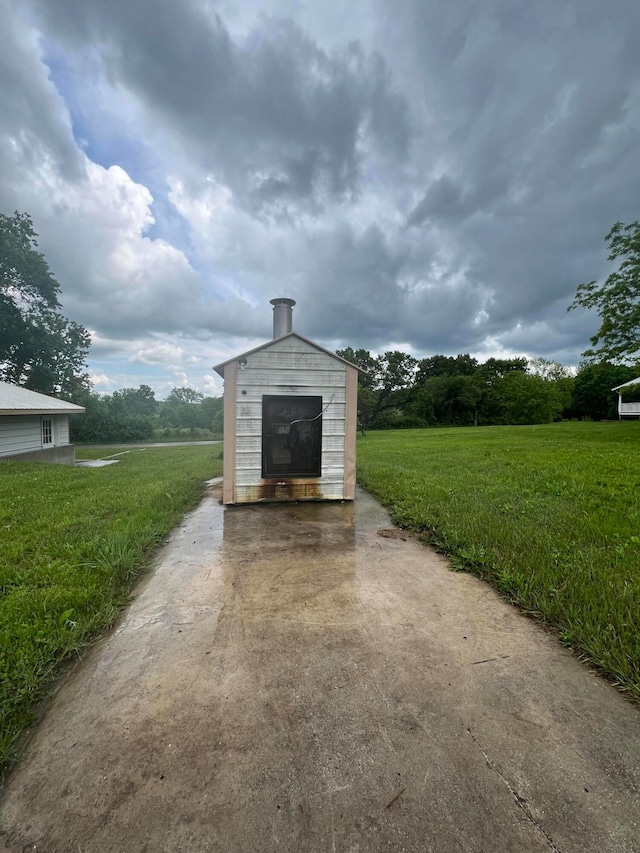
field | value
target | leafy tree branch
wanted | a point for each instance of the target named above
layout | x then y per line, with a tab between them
617	301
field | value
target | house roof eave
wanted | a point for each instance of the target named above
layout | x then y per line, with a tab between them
77	410
626	384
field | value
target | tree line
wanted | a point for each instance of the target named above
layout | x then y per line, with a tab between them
398	391
42	350
134	414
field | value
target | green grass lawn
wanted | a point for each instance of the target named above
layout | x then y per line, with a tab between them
72	543
549	514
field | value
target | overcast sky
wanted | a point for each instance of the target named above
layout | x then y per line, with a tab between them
435	176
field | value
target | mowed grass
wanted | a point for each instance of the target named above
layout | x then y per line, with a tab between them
549	514
72	543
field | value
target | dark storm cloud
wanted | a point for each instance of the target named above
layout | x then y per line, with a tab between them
441	180
534	116
442	201
369	305
25	109
272	114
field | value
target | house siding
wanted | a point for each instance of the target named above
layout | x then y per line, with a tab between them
63	430
23	433
20	434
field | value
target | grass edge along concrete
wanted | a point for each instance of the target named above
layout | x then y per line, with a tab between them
74	541
548	514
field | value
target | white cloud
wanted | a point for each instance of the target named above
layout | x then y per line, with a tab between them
159	354
101	382
212	385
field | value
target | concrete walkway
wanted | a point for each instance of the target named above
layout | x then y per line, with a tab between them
300	678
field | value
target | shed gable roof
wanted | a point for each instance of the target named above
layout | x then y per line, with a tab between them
20	401
219	368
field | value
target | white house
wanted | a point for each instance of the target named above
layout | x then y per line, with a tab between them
290	419
630	409
34	426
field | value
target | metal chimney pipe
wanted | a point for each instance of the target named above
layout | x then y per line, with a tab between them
282	317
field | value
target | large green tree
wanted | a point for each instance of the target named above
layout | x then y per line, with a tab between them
591	394
182	409
460	391
135	401
521	398
617	301
40	349
448	398
387	385
443	365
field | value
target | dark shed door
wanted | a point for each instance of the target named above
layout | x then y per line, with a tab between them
291	436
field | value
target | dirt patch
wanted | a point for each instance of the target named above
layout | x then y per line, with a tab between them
395	533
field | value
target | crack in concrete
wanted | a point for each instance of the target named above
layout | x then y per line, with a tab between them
520	801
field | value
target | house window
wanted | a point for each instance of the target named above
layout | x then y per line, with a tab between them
291	436
47	431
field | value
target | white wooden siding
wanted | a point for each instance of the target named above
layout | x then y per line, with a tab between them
289	357
290	367
20	434
63	429
629	408
301	382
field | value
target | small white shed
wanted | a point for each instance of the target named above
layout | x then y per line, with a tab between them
630	409
290	419
34	426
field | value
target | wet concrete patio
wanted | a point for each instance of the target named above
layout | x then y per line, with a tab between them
302	677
